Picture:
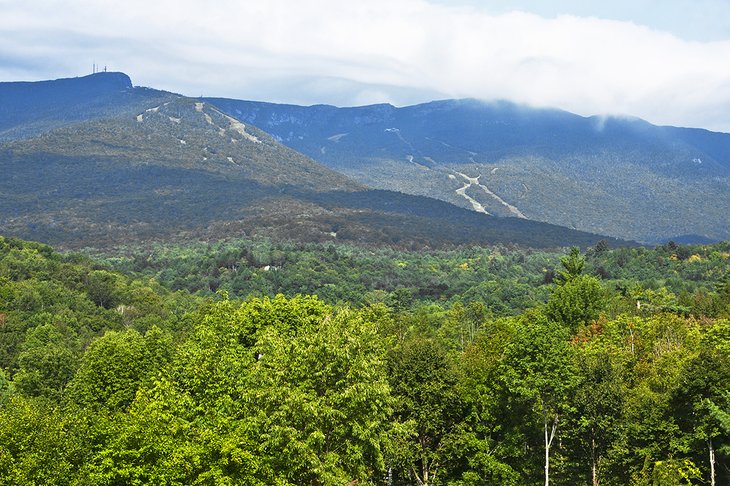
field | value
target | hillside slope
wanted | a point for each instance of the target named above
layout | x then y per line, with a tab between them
144	164
623	177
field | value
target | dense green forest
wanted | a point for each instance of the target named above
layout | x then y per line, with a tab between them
258	363
506	280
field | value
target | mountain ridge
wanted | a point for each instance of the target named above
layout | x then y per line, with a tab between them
132	164
619	176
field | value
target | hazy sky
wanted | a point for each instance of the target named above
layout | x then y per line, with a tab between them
666	61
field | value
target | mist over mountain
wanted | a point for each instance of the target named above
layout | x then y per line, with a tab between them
96	161
618	176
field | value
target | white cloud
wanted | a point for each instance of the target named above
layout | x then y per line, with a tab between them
319	51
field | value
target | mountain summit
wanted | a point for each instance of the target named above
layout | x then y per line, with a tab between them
29	108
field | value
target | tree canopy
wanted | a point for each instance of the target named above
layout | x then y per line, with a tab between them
110	377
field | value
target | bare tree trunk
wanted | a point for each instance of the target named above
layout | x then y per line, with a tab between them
547	453
548	441
419	481
423	478
594	464
424	475
712	463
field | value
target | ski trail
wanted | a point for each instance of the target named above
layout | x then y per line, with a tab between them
474	203
234	124
475	181
239	127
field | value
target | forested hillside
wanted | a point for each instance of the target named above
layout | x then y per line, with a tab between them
615	176
506	279
95	161
610	368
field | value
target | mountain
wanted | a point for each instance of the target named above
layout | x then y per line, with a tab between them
31	108
619	176
95	161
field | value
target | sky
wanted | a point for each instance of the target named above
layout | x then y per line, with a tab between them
665	61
